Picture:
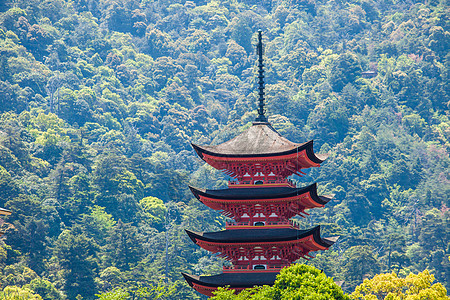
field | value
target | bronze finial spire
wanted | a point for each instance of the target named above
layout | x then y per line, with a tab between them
261	117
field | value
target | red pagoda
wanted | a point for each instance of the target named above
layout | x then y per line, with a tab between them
260	240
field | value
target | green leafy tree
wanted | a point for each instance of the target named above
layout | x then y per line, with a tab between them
44	288
346	69
30	229
124	246
158	43
98	224
242	33
294	282
361	263
155	210
76	254
17	275
154	292
117	294
18	293
390	286
8	186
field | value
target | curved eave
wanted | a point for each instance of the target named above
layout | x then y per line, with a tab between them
197	192
308	147
5	212
251	196
332	239
191	279
193	235
246	280
326	198
325	242
271	236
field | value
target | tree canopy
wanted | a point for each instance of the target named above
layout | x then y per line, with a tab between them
101	100
390	286
295	282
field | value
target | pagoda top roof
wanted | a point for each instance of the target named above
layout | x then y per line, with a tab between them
261	193
238	236
234	280
261	139
5	212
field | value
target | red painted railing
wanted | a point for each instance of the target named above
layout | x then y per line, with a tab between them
249	268
253	182
269	223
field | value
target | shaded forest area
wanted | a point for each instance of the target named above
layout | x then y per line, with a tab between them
99	102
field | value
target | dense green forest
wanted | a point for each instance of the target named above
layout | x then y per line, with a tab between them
100	100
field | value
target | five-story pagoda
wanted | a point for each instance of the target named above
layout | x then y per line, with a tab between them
260	240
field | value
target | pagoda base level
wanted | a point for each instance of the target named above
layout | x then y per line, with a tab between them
206	285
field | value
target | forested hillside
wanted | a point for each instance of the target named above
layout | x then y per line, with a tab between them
100	100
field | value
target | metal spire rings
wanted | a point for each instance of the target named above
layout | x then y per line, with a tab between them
261	117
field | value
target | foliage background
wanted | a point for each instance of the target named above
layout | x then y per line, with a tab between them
99	102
